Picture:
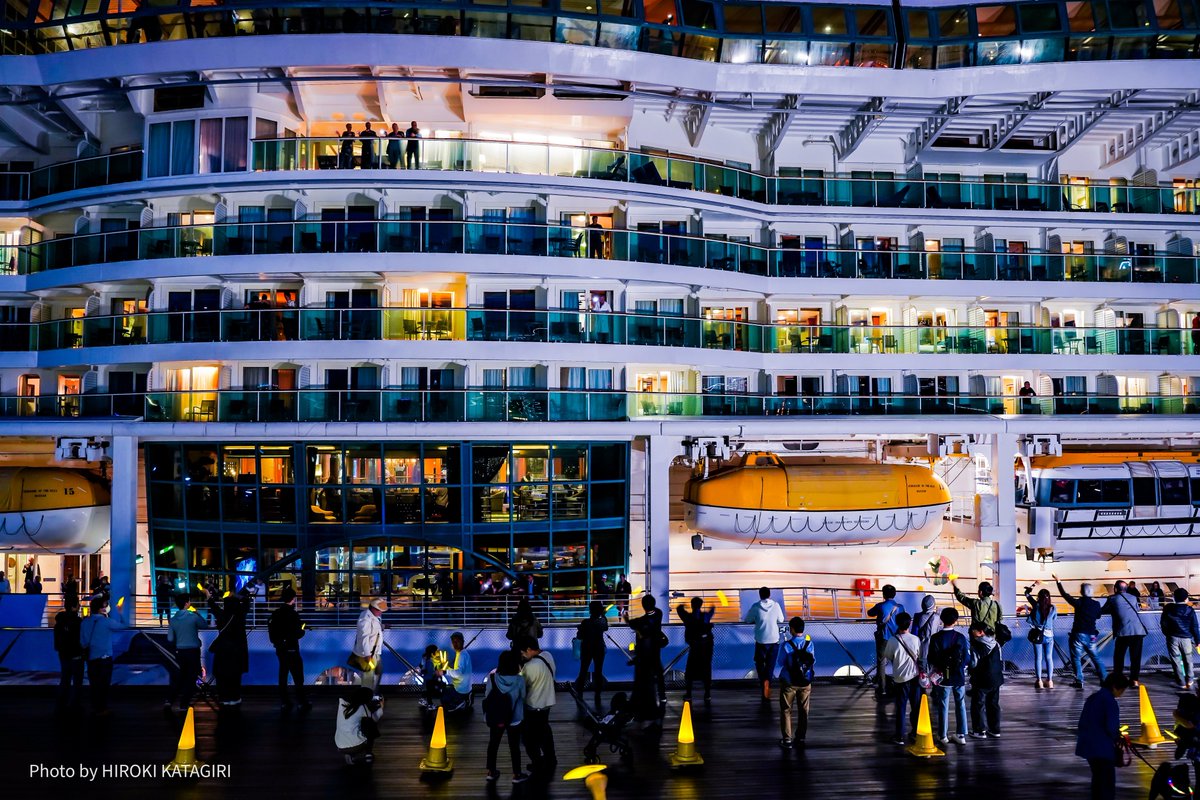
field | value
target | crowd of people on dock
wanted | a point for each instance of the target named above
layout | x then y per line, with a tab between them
935	652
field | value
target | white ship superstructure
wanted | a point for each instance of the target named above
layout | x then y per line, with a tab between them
341	295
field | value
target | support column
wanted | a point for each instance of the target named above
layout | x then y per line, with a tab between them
123	547
1004	547
661	450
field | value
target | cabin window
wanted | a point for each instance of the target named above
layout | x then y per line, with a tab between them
1062	491
1144	492
1116	492
1089	493
1174	491
1196	489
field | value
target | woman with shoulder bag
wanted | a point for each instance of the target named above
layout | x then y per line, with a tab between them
504	709
1042	616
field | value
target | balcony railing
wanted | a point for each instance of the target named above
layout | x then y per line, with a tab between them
549	405
702	32
532	239
629	166
584	327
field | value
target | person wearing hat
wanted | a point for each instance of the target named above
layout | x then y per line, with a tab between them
458	675
286	630
368	644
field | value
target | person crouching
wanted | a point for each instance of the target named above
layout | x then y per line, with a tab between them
358	715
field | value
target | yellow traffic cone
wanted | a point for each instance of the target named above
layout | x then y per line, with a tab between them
1150	736
924	747
437	760
185	754
593	777
685	754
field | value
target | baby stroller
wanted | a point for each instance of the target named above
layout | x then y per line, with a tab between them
608	729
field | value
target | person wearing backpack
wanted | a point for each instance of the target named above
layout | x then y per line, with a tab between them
984	608
884	614
797	660
286	630
949	656
538	673
901	652
1042	616
503	711
987	676
1128	630
925	624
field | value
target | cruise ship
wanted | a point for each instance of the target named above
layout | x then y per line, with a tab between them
409	299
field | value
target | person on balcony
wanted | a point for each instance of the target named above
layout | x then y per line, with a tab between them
346	153
368	137
412	152
393	146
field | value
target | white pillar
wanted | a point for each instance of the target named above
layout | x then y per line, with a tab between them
661	450
123	548
1004	548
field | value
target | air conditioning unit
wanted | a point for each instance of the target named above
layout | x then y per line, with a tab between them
97	450
71	449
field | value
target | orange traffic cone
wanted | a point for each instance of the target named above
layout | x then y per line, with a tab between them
685	754
1150	736
924	747
593	777
185	754
436	760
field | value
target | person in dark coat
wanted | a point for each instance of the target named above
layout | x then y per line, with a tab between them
1099	733
346	149
649	683
1083	630
1180	627
592	649
1128	630
987	676
524	623
698	634
231	656
70	657
162	597
70	590
286	630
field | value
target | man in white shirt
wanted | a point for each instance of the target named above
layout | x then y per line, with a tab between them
368	643
901	651
539	674
767	617
459	675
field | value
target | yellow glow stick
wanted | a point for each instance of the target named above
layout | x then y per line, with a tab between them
721	596
952	576
638	589
583	772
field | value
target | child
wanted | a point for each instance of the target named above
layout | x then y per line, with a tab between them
429	678
358	715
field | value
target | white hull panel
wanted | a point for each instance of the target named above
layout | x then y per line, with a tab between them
1085	534
915	526
67	531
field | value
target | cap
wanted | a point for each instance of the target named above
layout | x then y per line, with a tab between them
379	603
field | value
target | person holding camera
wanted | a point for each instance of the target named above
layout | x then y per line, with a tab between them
1042	616
357	725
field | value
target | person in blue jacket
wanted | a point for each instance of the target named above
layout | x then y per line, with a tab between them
884	614
1099	733
95	639
1042	616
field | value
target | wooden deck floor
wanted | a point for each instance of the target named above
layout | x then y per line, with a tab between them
275	756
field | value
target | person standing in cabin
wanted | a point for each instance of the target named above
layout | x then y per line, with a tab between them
767	618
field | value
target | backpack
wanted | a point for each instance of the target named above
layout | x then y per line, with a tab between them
497	707
800	661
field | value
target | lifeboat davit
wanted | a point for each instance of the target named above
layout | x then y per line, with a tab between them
761	499
51	509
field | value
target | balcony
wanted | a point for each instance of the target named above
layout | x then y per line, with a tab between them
583	327
548	405
530	239
633	167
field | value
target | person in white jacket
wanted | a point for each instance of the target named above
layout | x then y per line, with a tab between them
354	740
767	617
902	651
368	644
459	675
